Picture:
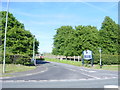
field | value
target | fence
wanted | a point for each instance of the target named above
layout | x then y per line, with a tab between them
72	58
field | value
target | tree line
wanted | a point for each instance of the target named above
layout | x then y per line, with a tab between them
69	41
19	41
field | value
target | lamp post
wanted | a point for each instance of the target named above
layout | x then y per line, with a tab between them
34	50
100	58
5	37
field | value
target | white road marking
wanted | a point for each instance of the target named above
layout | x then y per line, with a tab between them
72	69
91	71
112	74
86	70
28	74
62	80
110	86
91	76
85	74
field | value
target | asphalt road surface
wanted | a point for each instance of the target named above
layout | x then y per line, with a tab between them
60	75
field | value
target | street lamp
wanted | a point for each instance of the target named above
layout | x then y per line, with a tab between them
34	50
5	37
100	58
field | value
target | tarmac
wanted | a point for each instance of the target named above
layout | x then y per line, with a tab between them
38	69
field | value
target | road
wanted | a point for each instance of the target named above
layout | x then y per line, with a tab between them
60	75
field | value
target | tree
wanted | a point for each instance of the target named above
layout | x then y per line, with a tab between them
70	42
19	41
87	37
109	36
61	40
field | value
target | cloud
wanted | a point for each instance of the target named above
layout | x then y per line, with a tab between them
112	6
59	15
48	22
95	7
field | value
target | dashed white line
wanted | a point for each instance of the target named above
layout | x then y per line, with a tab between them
72	69
86	70
91	71
62	80
85	74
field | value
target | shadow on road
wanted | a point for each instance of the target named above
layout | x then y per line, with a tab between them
41	62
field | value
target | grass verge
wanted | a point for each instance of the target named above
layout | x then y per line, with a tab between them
12	68
107	67
64	61
104	67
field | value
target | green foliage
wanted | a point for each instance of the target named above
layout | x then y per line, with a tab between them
70	42
106	59
19	41
17	59
87	37
109	36
62	40
40	59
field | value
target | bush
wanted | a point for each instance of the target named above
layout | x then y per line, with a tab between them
22	59
16	59
106	59
40	59
29	63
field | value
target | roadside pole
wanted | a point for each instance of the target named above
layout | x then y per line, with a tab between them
78	58
100	58
74	58
34	50
5	37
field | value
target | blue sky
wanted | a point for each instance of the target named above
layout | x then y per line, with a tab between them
42	18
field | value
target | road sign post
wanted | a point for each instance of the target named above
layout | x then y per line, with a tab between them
87	55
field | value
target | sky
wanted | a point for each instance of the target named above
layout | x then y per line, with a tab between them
43	18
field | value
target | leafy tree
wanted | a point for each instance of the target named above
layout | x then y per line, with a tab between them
86	37
109	36
70	42
61	40
69	49
19	41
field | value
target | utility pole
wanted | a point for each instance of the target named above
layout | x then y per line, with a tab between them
5	37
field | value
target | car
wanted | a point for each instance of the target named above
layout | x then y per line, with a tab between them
41	56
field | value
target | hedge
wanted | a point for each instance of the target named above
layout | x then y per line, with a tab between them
106	59
16	59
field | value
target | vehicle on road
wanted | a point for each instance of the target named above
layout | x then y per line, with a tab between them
41	56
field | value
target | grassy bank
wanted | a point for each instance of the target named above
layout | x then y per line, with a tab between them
104	67
11	68
65	61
